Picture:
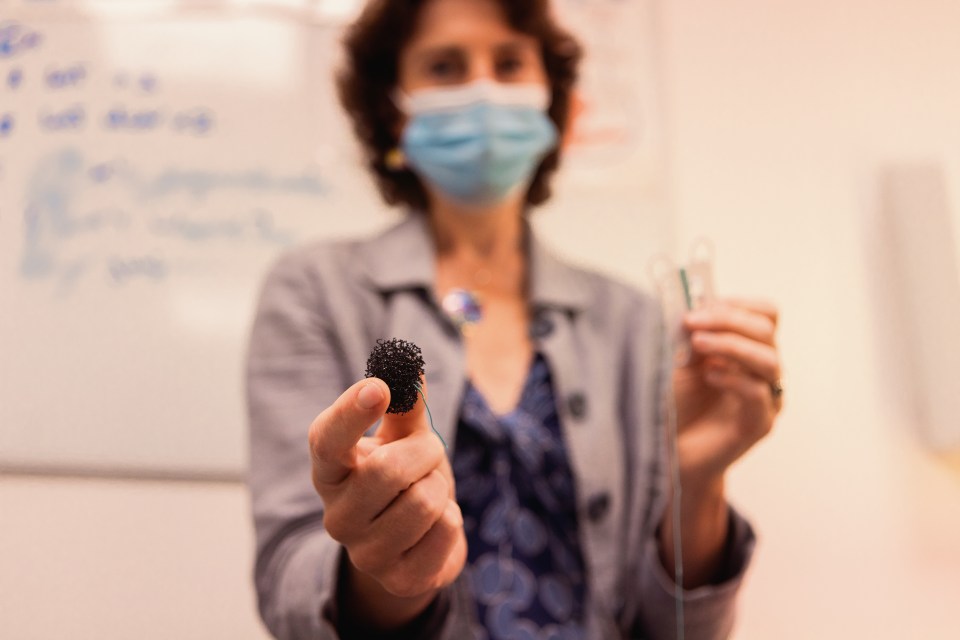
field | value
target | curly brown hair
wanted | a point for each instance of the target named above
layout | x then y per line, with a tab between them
366	82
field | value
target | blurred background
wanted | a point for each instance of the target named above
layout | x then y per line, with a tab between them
156	156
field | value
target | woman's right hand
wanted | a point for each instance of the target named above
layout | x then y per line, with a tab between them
390	500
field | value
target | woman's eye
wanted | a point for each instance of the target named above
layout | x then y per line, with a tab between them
508	66
443	69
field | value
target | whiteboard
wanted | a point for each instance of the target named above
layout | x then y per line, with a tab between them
156	158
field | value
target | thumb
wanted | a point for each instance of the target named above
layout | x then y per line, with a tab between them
400	425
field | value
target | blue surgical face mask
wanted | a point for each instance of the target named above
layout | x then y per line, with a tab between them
477	143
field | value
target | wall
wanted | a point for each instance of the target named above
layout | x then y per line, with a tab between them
780	116
103	559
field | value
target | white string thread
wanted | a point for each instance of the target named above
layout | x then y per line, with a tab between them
429	415
677	495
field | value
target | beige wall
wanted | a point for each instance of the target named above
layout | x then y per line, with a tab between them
114	560
779	114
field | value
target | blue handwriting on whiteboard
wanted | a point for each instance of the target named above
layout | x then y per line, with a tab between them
62	225
15	39
51	220
122	270
196	230
122	119
6	124
255	225
15	79
100	172
67	77
69	118
199	183
147	82
48	201
196	121
263	220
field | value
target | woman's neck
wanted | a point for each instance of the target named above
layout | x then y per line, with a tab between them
480	250
485	235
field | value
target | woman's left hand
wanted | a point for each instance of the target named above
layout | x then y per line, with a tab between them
729	393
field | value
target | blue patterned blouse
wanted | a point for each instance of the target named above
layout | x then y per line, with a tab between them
516	491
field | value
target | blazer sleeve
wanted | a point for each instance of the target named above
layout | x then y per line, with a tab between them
709	610
293	372
296	367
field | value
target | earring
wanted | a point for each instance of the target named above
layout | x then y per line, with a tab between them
395	159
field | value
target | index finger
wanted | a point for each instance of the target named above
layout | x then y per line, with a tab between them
400	425
335	432
756	305
732	318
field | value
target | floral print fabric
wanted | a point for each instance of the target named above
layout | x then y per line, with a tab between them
517	494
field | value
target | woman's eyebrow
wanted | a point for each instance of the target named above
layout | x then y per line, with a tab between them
513	46
432	53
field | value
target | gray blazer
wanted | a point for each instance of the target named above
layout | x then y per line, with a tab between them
323	307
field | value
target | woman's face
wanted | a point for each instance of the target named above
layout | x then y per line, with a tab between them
460	41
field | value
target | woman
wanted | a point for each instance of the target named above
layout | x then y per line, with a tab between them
554	519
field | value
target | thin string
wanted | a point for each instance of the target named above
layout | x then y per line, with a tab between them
429	415
675	478
677	537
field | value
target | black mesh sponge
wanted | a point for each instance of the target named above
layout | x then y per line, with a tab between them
400	364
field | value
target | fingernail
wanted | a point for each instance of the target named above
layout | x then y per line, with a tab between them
697	317
369	396
454	514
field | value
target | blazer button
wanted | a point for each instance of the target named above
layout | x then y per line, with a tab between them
598	506
541	327
577	405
